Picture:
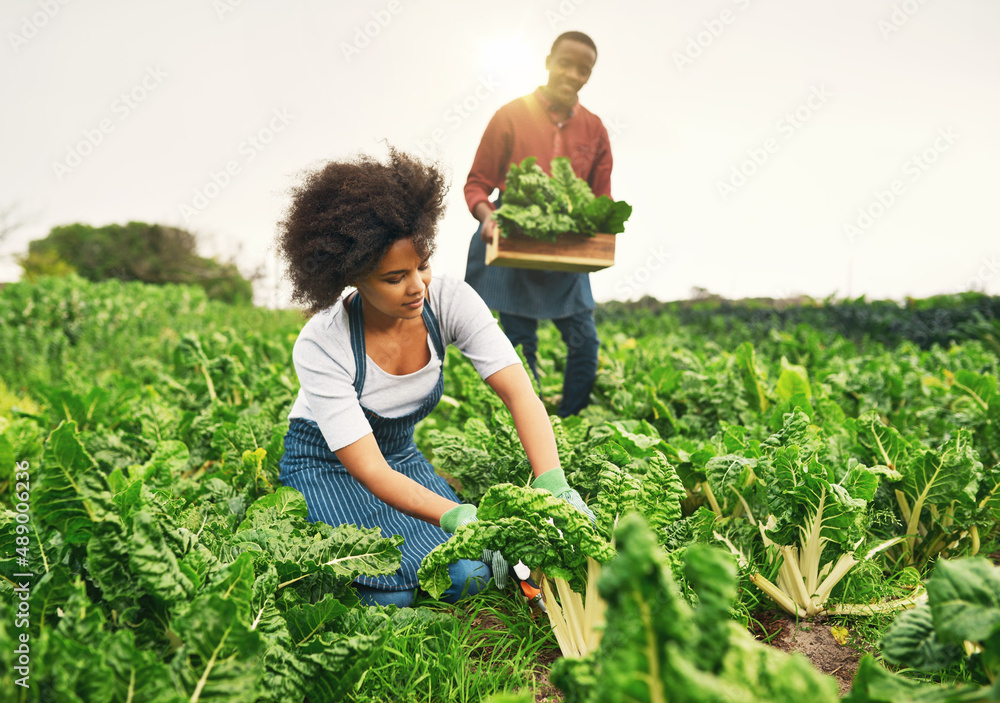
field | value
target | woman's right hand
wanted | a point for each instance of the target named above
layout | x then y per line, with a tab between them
554	481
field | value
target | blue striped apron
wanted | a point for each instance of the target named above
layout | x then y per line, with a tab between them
335	497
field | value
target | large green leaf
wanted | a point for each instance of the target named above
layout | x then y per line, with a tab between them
912	641
72	496
343	552
617	496
137	674
793	380
308	620
219	656
285	500
154	564
107	560
884	444
236	582
167	463
965	598
712	575
753	387
981	388
940	477
337	663
657	648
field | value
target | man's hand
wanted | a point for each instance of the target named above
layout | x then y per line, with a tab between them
486	233
484	213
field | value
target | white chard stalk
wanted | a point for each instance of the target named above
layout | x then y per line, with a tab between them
576	622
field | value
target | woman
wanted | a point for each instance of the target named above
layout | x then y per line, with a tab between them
370	365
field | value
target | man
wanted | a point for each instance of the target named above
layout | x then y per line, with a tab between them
546	124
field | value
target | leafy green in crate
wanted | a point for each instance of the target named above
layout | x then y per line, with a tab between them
539	206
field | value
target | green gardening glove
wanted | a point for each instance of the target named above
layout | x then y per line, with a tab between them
463	515
554	481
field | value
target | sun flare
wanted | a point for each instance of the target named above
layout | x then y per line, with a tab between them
514	62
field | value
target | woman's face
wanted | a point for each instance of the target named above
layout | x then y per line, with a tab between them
398	287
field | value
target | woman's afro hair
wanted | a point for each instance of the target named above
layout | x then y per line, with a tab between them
345	216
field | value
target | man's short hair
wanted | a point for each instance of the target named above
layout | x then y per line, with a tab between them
574	36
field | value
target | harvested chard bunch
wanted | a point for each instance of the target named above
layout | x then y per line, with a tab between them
548	535
540	206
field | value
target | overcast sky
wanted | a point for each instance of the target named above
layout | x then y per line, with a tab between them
768	147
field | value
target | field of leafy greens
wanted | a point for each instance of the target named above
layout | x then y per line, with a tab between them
739	460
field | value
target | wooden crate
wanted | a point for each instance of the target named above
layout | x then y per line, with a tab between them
570	252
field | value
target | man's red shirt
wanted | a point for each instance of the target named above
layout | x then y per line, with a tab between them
528	126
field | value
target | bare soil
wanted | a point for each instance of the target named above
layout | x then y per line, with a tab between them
812	639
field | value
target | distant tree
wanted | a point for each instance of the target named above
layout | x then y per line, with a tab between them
134	252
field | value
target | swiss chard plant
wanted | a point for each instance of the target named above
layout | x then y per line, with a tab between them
800	508
550	537
945	497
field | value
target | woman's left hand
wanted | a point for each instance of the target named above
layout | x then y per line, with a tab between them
463	515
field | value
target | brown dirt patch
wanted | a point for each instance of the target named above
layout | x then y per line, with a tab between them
545	692
812	639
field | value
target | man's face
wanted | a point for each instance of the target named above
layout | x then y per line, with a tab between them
569	69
